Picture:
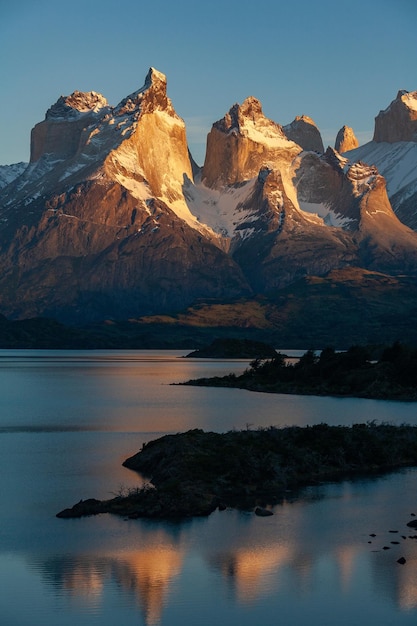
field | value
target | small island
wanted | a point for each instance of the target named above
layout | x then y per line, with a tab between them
355	373
195	472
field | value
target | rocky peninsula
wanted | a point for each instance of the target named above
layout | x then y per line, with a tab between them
195	472
356	372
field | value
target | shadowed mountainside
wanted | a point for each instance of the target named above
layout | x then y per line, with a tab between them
343	308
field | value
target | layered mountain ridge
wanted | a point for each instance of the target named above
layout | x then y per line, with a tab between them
112	219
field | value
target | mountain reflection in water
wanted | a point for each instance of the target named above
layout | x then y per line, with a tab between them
258	559
68	420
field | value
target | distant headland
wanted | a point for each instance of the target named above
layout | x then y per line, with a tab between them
355	373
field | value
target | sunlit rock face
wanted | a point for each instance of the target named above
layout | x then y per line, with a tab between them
62	132
304	131
345	140
97	225
154	148
111	219
141	143
398	122
243	142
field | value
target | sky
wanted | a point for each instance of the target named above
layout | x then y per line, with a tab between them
337	62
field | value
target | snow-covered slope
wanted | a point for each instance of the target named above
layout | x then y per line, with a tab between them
8	173
394	152
397	162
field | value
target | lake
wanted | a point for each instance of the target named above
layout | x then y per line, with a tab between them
68	419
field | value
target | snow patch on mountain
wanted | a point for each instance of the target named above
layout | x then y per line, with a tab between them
362	177
264	134
220	209
397	162
8	173
79	103
410	99
325	213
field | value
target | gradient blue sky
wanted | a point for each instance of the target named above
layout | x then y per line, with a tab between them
338	62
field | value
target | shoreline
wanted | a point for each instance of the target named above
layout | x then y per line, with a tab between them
225	383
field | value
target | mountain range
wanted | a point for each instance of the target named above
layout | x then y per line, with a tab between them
113	220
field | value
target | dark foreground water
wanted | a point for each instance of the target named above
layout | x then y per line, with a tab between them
69	419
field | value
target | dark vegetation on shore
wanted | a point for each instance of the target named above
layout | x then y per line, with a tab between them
393	375
195	472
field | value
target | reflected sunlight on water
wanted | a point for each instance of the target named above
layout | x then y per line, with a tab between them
67	421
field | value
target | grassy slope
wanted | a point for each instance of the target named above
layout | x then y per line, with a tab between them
349	306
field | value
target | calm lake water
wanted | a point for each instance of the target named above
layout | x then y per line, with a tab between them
69	419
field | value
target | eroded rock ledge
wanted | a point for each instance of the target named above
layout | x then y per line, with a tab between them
195	472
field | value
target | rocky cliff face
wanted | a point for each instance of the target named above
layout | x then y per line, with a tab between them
286	242
243	142
345	140
108	221
398	122
63	132
97	225
352	197
304	131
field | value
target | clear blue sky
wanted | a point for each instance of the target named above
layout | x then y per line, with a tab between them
338	62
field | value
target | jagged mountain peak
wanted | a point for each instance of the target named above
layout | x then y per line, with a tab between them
250	109
363	177
409	98
334	158
248	119
345	140
108	220
398	122
303	130
243	142
78	103
152	96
